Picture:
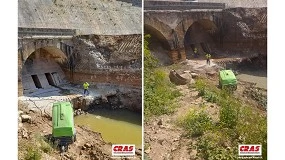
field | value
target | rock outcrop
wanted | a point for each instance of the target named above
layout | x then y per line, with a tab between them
245	29
87	16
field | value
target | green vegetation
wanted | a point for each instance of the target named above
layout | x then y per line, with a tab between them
34	149
159	93
33	153
43	145
197	122
212	146
238	124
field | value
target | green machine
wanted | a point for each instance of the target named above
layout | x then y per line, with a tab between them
63	130
227	79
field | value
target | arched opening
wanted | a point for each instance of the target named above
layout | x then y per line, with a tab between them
158	44
41	70
200	35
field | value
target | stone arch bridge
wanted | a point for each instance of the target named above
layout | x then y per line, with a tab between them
41	51
181	26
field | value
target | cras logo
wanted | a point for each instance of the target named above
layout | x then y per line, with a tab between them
250	150
123	150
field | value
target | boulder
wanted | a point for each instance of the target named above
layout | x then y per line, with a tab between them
147	151
25	133
20	125
159	122
20	112
138	152
104	99
87	145
26	118
186	76
194	75
177	79
34	110
19	120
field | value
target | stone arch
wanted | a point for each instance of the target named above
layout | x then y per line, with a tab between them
40	66
157	36
160	30
27	48
198	33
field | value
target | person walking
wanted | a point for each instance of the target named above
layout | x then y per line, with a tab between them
208	57
85	86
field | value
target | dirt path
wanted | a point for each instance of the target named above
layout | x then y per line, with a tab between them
164	137
166	140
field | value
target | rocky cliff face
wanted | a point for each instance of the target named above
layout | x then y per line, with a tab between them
108	17
245	29
106	59
96	52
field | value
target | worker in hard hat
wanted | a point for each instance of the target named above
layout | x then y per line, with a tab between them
85	86
208	57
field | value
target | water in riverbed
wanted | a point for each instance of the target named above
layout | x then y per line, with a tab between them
258	77
115	126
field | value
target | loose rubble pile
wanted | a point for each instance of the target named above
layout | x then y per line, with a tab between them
23	118
129	99
79	112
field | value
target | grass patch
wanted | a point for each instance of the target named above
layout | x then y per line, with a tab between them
212	146
33	153
196	123
159	93
238	124
43	145
34	148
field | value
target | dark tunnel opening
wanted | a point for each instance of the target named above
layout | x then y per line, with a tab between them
200	36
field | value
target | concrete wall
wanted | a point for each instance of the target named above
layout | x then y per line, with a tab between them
87	16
